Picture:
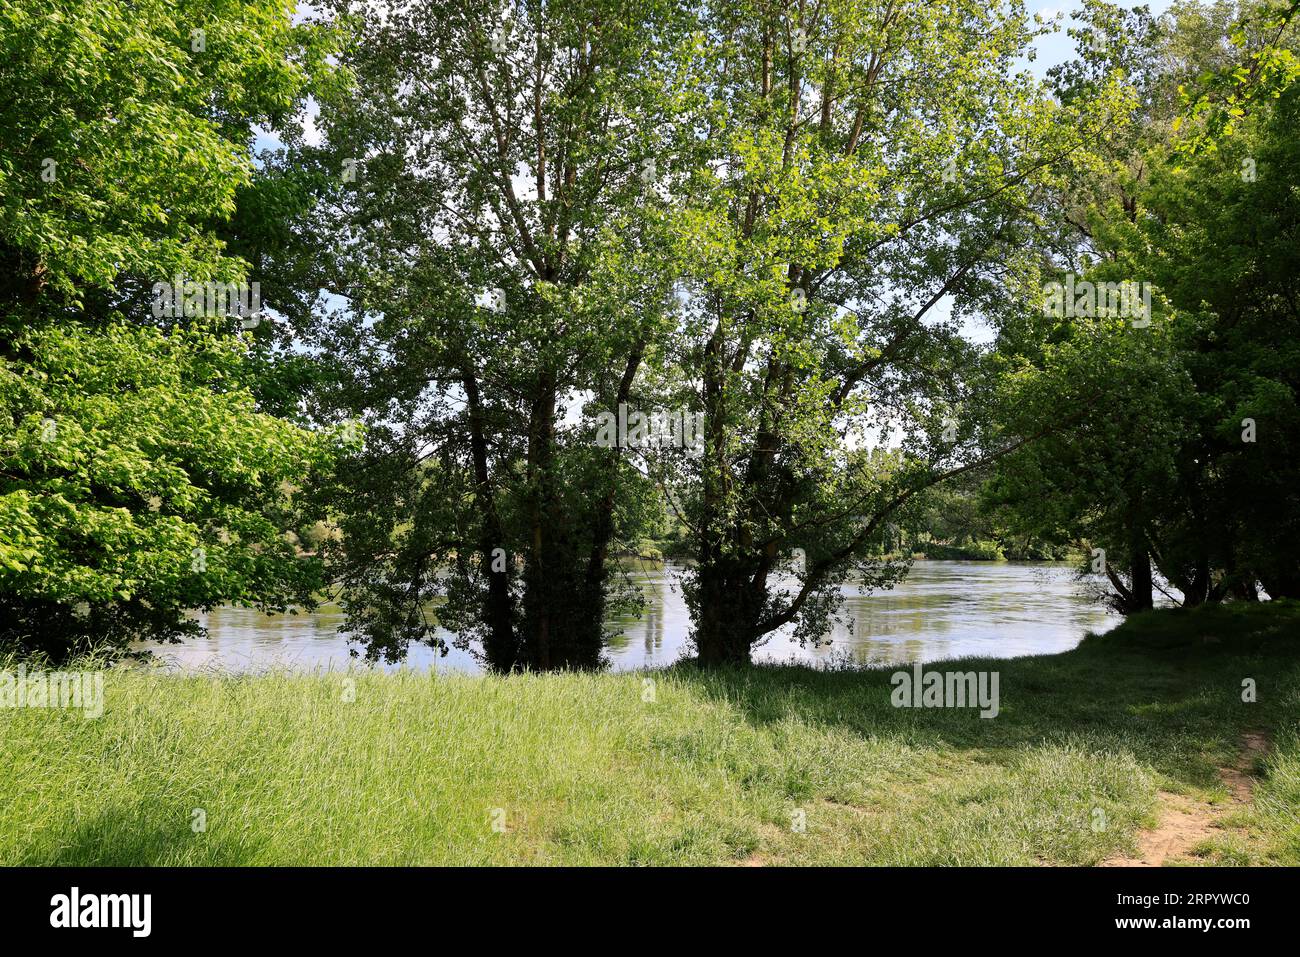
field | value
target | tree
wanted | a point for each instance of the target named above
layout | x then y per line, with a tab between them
865	166
138	475
1220	241
497	193
1166	474
126	131
139	480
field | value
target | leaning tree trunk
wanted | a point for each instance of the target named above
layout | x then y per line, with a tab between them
1281	584
1140	578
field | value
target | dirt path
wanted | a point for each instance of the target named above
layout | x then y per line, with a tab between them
1185	822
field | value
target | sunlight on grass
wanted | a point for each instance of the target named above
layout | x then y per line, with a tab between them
776	765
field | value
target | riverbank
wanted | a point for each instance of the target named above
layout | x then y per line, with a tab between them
769	765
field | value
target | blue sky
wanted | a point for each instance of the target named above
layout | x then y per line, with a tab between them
1058	48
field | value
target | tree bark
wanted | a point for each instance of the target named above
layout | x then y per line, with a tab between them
1140	578
500	644
723	634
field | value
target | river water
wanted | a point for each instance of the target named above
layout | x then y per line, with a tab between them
941	610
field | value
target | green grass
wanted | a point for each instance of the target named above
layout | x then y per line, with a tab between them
713	771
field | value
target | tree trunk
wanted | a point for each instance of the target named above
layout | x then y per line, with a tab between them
538	582
1284	584
500	645
724	629
1198	590
1140	581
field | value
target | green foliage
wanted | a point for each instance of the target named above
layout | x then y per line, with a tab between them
497	155
1262	65
774	217
143	472
1184	456
123	144
138	480
859	169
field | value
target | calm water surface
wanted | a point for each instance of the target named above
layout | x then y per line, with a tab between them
942	610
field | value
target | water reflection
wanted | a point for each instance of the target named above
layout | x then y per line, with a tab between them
942	610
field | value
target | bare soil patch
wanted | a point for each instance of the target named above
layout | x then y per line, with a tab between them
1186	822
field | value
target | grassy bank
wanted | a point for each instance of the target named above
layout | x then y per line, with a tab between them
714	770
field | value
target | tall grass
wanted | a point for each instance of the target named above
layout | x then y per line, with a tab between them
761	765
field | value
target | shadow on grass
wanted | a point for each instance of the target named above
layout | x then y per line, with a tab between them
138	837
1165	688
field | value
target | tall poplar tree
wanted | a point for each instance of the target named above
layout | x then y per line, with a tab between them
501	171
875	173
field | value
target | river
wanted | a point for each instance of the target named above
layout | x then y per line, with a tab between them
941	610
